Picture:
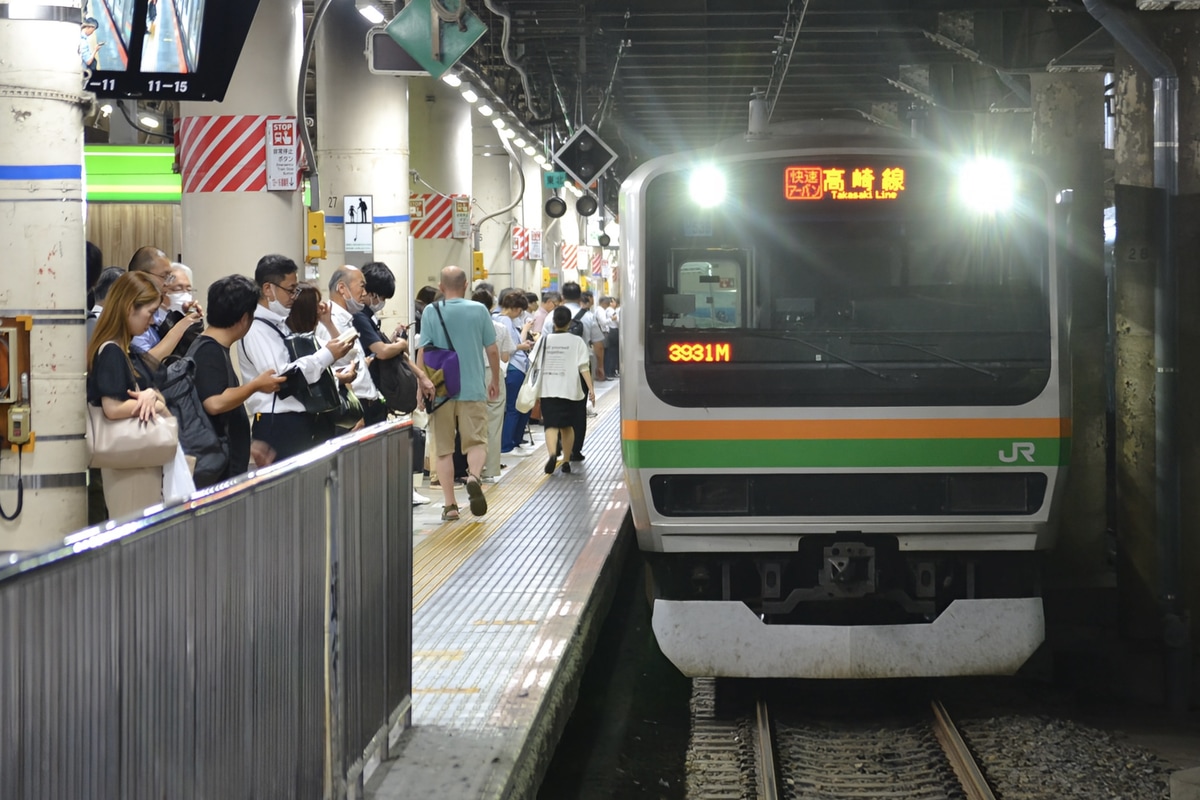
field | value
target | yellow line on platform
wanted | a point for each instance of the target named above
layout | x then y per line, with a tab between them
442	552
448	655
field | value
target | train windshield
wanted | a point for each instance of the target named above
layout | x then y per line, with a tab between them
860	280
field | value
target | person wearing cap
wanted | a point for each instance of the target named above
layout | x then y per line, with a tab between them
88	46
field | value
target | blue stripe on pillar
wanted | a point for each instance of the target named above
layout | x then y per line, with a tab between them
41	172
376	221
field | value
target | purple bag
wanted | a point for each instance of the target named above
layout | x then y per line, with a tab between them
442	365
442	368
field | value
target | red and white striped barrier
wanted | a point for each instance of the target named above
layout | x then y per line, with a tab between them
225	153
570	256
520	243
437	219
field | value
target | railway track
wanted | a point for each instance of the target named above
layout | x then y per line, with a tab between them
743	752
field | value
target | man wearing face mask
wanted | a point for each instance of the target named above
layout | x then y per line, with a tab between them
179	301
380	286
155	264
281	426
346	291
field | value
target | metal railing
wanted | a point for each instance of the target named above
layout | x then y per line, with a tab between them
253	642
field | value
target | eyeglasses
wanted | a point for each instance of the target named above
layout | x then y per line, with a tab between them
167	278
294	292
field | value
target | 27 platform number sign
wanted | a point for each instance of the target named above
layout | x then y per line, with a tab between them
359	223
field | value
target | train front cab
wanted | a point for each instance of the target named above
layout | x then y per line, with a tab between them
847	428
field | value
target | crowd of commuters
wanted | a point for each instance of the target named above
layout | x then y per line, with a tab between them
309	365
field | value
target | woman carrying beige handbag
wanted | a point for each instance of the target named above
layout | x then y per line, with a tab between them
120	385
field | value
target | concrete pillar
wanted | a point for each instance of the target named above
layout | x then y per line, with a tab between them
42	238
1138	210
1068	137
528	274
494	187
362	149
227	231
439	131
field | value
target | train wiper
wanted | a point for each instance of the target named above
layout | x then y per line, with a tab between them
823	351
936	354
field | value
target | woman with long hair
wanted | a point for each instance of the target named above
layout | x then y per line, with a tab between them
121	382
566	369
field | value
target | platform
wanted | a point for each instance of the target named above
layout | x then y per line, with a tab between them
505	611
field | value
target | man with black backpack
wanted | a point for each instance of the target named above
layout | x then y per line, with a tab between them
282	426
392	370
583	324
231	304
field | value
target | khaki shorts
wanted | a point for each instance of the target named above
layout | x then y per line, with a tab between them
470	419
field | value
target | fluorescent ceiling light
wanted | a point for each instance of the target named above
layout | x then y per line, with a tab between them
373	14
148	121
519	141
452	80
499	123
529	151
485	109
468	93
106	109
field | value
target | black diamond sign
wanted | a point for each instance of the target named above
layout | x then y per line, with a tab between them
585	156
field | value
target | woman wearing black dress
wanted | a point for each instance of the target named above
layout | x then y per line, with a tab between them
121	381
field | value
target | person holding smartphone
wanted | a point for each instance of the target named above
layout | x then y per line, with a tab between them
281	426
347	293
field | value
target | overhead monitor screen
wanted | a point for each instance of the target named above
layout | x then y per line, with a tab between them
158	49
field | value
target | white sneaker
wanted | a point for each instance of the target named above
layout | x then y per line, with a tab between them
419	499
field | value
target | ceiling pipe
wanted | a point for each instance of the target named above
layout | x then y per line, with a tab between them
508	59
1176	637
310	152
515	161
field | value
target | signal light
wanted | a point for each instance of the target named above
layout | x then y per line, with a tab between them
585	156
556	207
586	205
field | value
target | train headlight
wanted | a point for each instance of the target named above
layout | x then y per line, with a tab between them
987	186
707	186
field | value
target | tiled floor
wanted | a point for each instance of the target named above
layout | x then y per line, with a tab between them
501	604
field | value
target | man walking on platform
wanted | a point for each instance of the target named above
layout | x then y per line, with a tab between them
465	327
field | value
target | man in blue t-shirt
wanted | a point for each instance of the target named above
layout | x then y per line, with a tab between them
464	326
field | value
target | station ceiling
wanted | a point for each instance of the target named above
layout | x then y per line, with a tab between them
660	76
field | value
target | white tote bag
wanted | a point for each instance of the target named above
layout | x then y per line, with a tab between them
531	387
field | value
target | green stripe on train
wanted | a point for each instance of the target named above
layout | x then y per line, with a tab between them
675	454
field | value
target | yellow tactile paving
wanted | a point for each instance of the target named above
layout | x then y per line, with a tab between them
445	655
443	551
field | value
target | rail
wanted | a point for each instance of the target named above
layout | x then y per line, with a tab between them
255	641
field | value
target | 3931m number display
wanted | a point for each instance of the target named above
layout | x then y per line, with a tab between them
692	351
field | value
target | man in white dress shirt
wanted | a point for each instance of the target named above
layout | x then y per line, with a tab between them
281	426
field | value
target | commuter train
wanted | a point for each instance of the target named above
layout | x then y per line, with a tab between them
845	403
